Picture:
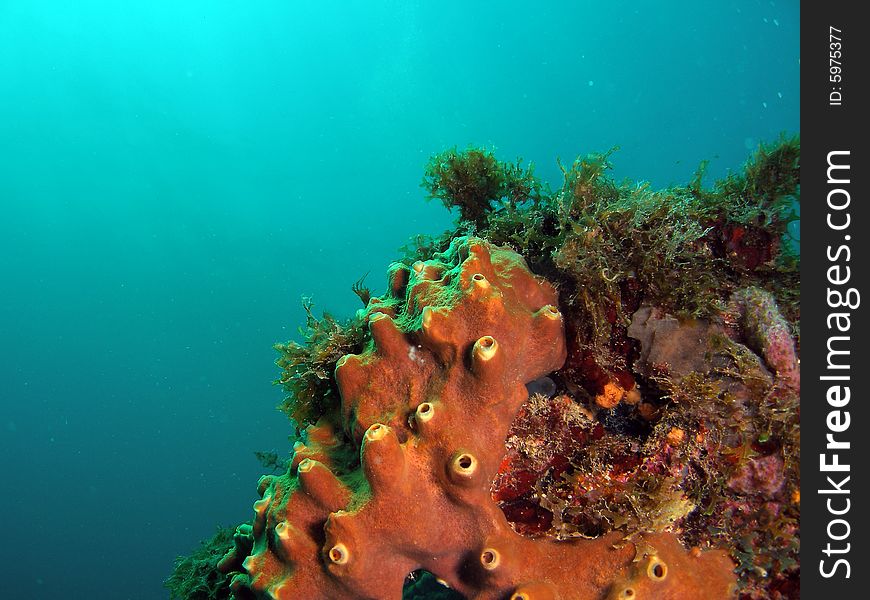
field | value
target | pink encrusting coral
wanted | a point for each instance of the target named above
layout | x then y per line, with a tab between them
767	332
399	478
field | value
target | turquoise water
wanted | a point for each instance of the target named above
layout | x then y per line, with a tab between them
174	176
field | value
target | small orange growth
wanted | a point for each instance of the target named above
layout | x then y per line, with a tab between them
610	396
675	436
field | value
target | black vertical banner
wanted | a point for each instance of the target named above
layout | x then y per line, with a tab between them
835	299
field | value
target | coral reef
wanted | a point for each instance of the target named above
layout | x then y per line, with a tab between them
428	403
449	431
708	450
682	381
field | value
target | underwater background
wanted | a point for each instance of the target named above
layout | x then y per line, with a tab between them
175	176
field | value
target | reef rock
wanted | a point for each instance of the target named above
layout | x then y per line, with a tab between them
399	479
758	317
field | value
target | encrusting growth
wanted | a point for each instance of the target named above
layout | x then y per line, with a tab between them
399	478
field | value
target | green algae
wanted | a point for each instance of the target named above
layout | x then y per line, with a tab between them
196	576
683	249
473	181
270	459
307	367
